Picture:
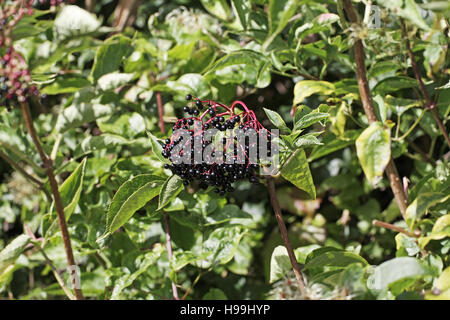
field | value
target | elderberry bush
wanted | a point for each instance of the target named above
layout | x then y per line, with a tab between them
216	145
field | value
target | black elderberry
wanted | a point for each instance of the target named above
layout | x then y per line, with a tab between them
196	112
186	109
190	122
199	104
188	97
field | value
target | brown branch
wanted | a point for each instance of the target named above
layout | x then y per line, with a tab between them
169	250
366	99
284	235
392	227
429	103
58	277
160	111
48	165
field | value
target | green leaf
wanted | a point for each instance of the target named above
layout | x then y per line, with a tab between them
374	151
73	21
280	11
113	80
109	56
441	230
236	58
302	253
215	294
242	11
335	258
66	85
16	145
395	270
279	264
77	114
276	120
296	171
309	120
156	147
131	196
333	143
222	244
407	9
219	8
306	88
103	141
393	84
169	191
12	251
422	204
443	282
307	140
70	190
228	213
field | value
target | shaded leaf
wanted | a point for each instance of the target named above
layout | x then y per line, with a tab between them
296	171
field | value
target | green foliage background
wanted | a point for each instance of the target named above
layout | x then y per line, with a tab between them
292	62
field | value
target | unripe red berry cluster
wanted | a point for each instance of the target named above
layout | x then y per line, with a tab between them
206	115
15	79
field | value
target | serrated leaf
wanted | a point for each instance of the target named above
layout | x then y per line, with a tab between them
131	196
307	140
374	151
276	120
297	172
169	191
309	120
71	188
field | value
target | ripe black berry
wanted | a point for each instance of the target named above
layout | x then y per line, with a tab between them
219	175
188	97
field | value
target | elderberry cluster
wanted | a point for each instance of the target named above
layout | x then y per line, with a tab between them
15	79
230	157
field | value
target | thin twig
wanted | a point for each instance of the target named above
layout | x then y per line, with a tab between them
192	286
284	234
169	250
392	227
58	277
429	104
366	99
48	165
160	111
